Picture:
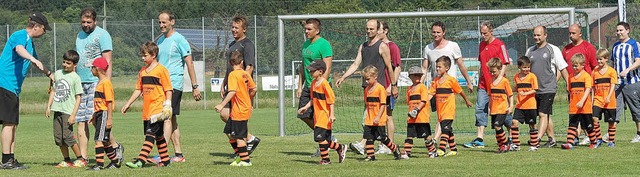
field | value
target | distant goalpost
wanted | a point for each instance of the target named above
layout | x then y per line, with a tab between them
281	34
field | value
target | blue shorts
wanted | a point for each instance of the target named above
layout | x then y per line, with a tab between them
85	110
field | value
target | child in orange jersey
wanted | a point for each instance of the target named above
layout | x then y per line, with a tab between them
322	100
500	103
155	87
580	103
444	88
102	117
241	90
418	120
604	99
526	110
375	97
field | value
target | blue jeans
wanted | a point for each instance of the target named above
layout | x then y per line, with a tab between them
482	108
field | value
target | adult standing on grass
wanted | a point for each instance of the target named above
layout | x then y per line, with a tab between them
91	43
626	60
546	62
245	46
490	47
174	54
19	52
396	61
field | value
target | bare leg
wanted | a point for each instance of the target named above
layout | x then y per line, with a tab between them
83	138
76	150
480	131
438	132
391	128
175	137
65	150
550	132
7	138
544	119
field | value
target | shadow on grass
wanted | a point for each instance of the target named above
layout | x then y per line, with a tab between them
306	161
221	163
220	154
306	154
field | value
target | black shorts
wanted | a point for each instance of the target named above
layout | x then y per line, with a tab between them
154	129
9	107
525	116
305	97
227	127
545	102
374	133
585	120
419	130
176	99
446	126
320	134
239	129
100	122
432	102
609	114
498	120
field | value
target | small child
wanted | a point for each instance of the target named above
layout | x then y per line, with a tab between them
418	116
323	105
499	95
375	97
580	109
102	118
241	90
155	87
64	99
444	88
526	110
604	99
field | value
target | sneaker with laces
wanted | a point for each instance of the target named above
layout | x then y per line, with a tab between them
595	145
585	141
514	147
95	168
433	155
476	143
163	165
112	165
64	164
154	159
244	164
533	148
502	149
605	138
611	144
404	156
551	143
451	153
567	146
396	154
359	148
236	161
370	158
80	163
253	145
324	162
382	149
136	164
342	153
120	154
178	159
440	153
636	139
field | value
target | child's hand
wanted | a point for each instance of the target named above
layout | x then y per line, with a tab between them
469	104
607	100
219	107
580	104
376	120
125	108
109	123
509	110
522	93
339	82
47	113
302	110
71	120
332	118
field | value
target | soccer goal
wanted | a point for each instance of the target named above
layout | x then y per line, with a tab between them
411	31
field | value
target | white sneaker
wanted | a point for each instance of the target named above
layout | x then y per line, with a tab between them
404	156
605	138
316	154
585	141
533	148
382	149
357	147
636	139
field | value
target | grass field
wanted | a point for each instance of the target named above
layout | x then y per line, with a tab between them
206	149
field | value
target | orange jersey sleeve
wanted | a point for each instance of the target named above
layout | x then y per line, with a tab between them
153	85
602	83
103	96
525	84
375	96
322	96
499	97
416	95
445	97
240	82
577	87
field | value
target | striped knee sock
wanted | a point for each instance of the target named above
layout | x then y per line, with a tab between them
100	155
408	145
163	151
571	134
515	135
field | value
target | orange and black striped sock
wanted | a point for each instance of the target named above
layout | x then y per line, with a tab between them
146	148
596	129
234	145
515	135
571	134
444	138
324	151
592	135
500	137
612	132
392	146
111	153
408	145
431	145
163	151
243	153
452	142
333	145
99	155
369	148
533	137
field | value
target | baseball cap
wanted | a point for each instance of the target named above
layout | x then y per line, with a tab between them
101	63
415	70
317	65
40	19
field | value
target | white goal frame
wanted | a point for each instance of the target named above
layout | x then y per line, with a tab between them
281	18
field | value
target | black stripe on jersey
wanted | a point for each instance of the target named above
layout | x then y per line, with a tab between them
150	80
414	97
444	91
523	85
603	80
373	99
577	85
498	91
99	95
320	96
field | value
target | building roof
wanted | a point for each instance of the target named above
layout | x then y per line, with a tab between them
554	20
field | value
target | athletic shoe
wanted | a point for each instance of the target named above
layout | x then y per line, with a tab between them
396	154
64	164
244	164
636	139
120	154
236	161
514	147
605	138
316	154
178	159
502	149
611	144
370	158
585	141
533	148
95	168
596	145
474	144
342	152
567	146
357	147
112	165
451	153
162	165
440	153
136	164
80	163
253	145
154	159
551	143
433	155
324	162
404	156
382	149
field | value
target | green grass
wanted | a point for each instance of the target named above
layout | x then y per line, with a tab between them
206	149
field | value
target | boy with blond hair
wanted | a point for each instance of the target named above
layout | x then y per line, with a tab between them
500	103
604	99
580	103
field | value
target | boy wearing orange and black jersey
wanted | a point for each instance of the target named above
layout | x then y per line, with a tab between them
580	103
322	100
444	88
604	99
418	116
241	90
154	82
375	97
500	103
526	110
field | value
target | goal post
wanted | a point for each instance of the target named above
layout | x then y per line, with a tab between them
570	11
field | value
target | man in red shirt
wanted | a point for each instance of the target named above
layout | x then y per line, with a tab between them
578	45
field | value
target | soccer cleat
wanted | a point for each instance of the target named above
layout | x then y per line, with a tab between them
136	164
64	164
382	149
550	144
357	147
112	165
585	141
162	165
177	159
95	168
433	155
80	163
440	153
597	144
474	144
611	144
404	156
502	149
451	153
514	147
396	154
324	162
253	145
567	146
316	154
244	164
636	139
533	148
605	138
370	158
154	159
236	161
342	153
120	154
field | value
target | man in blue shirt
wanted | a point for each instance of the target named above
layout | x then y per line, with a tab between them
626	60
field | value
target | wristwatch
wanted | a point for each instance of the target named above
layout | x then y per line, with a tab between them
194	86
395	85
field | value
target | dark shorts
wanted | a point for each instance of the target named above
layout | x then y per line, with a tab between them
305	97
154	129
446	126
176	99
419	130
545	102
227	127
391	102
585	120
100	122
432	102
239	129
375	133
62	131
9	107
609	114
320	134
525	116
498	120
